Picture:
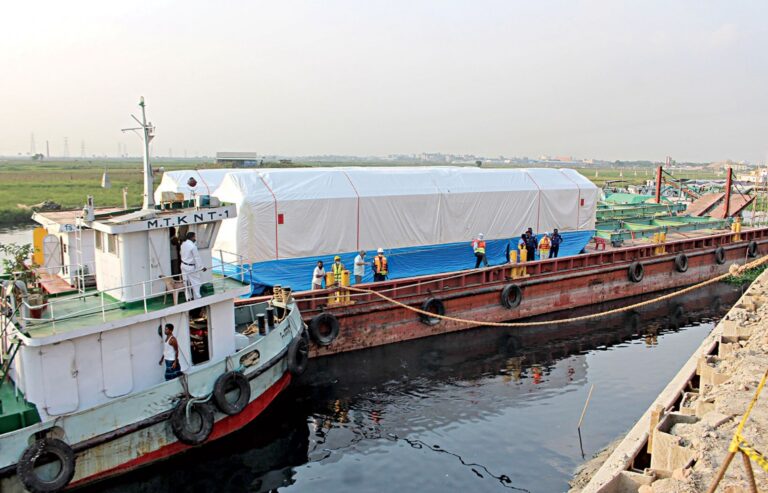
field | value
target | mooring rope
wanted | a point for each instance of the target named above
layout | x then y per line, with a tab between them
737	271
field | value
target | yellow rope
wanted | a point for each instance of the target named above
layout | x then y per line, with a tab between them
665	297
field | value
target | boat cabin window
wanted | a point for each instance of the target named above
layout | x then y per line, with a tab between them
199	335
112	243
97	239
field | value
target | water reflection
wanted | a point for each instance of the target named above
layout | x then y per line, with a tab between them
480	410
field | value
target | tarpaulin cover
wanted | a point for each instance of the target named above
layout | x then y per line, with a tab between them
402	262
308	212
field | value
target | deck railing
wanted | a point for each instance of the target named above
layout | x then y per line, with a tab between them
232	270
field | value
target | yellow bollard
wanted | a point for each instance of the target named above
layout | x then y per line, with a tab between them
330	280
655	241
513	261
662	240
522	271
344	293
736	229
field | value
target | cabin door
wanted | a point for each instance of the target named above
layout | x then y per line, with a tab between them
116	362
60	378
52	259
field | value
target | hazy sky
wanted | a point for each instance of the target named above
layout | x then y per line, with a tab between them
605	79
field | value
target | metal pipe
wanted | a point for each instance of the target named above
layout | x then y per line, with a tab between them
262	323
270	317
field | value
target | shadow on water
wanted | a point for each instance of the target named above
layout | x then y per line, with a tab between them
353	413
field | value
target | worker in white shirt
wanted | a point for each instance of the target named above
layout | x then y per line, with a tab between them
318	275
191	266
359	268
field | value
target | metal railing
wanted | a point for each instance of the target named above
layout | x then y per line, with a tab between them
229	270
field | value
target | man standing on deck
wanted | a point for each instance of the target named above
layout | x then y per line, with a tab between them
544	246
338	270
191	266
380	268
556	241
478	247
170	354
318	275
531	244
359	268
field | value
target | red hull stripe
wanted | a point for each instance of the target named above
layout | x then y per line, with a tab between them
221	428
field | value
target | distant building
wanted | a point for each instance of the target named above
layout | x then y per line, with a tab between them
239	159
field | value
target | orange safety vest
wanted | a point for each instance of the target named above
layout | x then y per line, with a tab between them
545	243
337	270
478	246
380	262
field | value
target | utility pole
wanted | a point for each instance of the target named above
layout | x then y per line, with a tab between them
82	148
47	150
66	147
32	147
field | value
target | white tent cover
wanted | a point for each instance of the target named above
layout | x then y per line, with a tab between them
304	212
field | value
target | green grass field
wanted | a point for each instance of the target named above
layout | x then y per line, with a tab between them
26	182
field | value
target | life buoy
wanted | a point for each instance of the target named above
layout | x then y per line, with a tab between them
197	428
228	383
681	262
511	296
432	305
298	356
324	329
636	271
752	249
720	255
46	449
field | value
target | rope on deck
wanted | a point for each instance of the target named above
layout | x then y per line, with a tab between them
732	272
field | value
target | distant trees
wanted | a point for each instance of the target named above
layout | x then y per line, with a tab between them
37	157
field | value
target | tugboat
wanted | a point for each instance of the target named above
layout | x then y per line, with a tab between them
82	395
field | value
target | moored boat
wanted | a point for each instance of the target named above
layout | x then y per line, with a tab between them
83	397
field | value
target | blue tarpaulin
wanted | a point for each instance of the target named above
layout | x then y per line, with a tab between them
403	262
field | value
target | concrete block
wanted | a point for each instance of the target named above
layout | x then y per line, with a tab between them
727	348
730	328
703	408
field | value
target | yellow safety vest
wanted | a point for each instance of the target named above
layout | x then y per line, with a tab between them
380	262
479	246
545	243
337	270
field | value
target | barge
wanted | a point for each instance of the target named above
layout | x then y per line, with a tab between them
351	321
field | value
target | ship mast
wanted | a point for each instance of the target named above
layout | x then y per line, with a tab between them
147	134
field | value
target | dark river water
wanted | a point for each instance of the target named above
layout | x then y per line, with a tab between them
483	410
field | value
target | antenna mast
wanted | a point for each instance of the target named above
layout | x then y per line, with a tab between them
147	134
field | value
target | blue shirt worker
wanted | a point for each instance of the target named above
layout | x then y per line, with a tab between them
531	245
557	239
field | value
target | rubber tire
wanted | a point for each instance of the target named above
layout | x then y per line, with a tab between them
511	296
298	356
223	384
25	468
179	424
719	255
636	272
435	306
752	249
324	319
681	262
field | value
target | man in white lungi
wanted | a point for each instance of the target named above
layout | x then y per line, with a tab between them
191	266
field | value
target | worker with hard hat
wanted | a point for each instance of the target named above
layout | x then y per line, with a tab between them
478	247
338	269
380	267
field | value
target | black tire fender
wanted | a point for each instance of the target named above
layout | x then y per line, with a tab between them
46	447
432	305
227	382
681	262
720	255
752	249
511	296
298	356
324	329
636	271
198	428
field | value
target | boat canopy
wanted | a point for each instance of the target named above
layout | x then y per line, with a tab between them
307	212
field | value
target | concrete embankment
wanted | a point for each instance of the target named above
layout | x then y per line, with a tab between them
693	420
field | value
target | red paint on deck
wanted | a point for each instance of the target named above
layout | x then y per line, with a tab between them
221	428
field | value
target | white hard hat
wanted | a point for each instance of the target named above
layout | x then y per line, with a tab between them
546	234
480	235
380	250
